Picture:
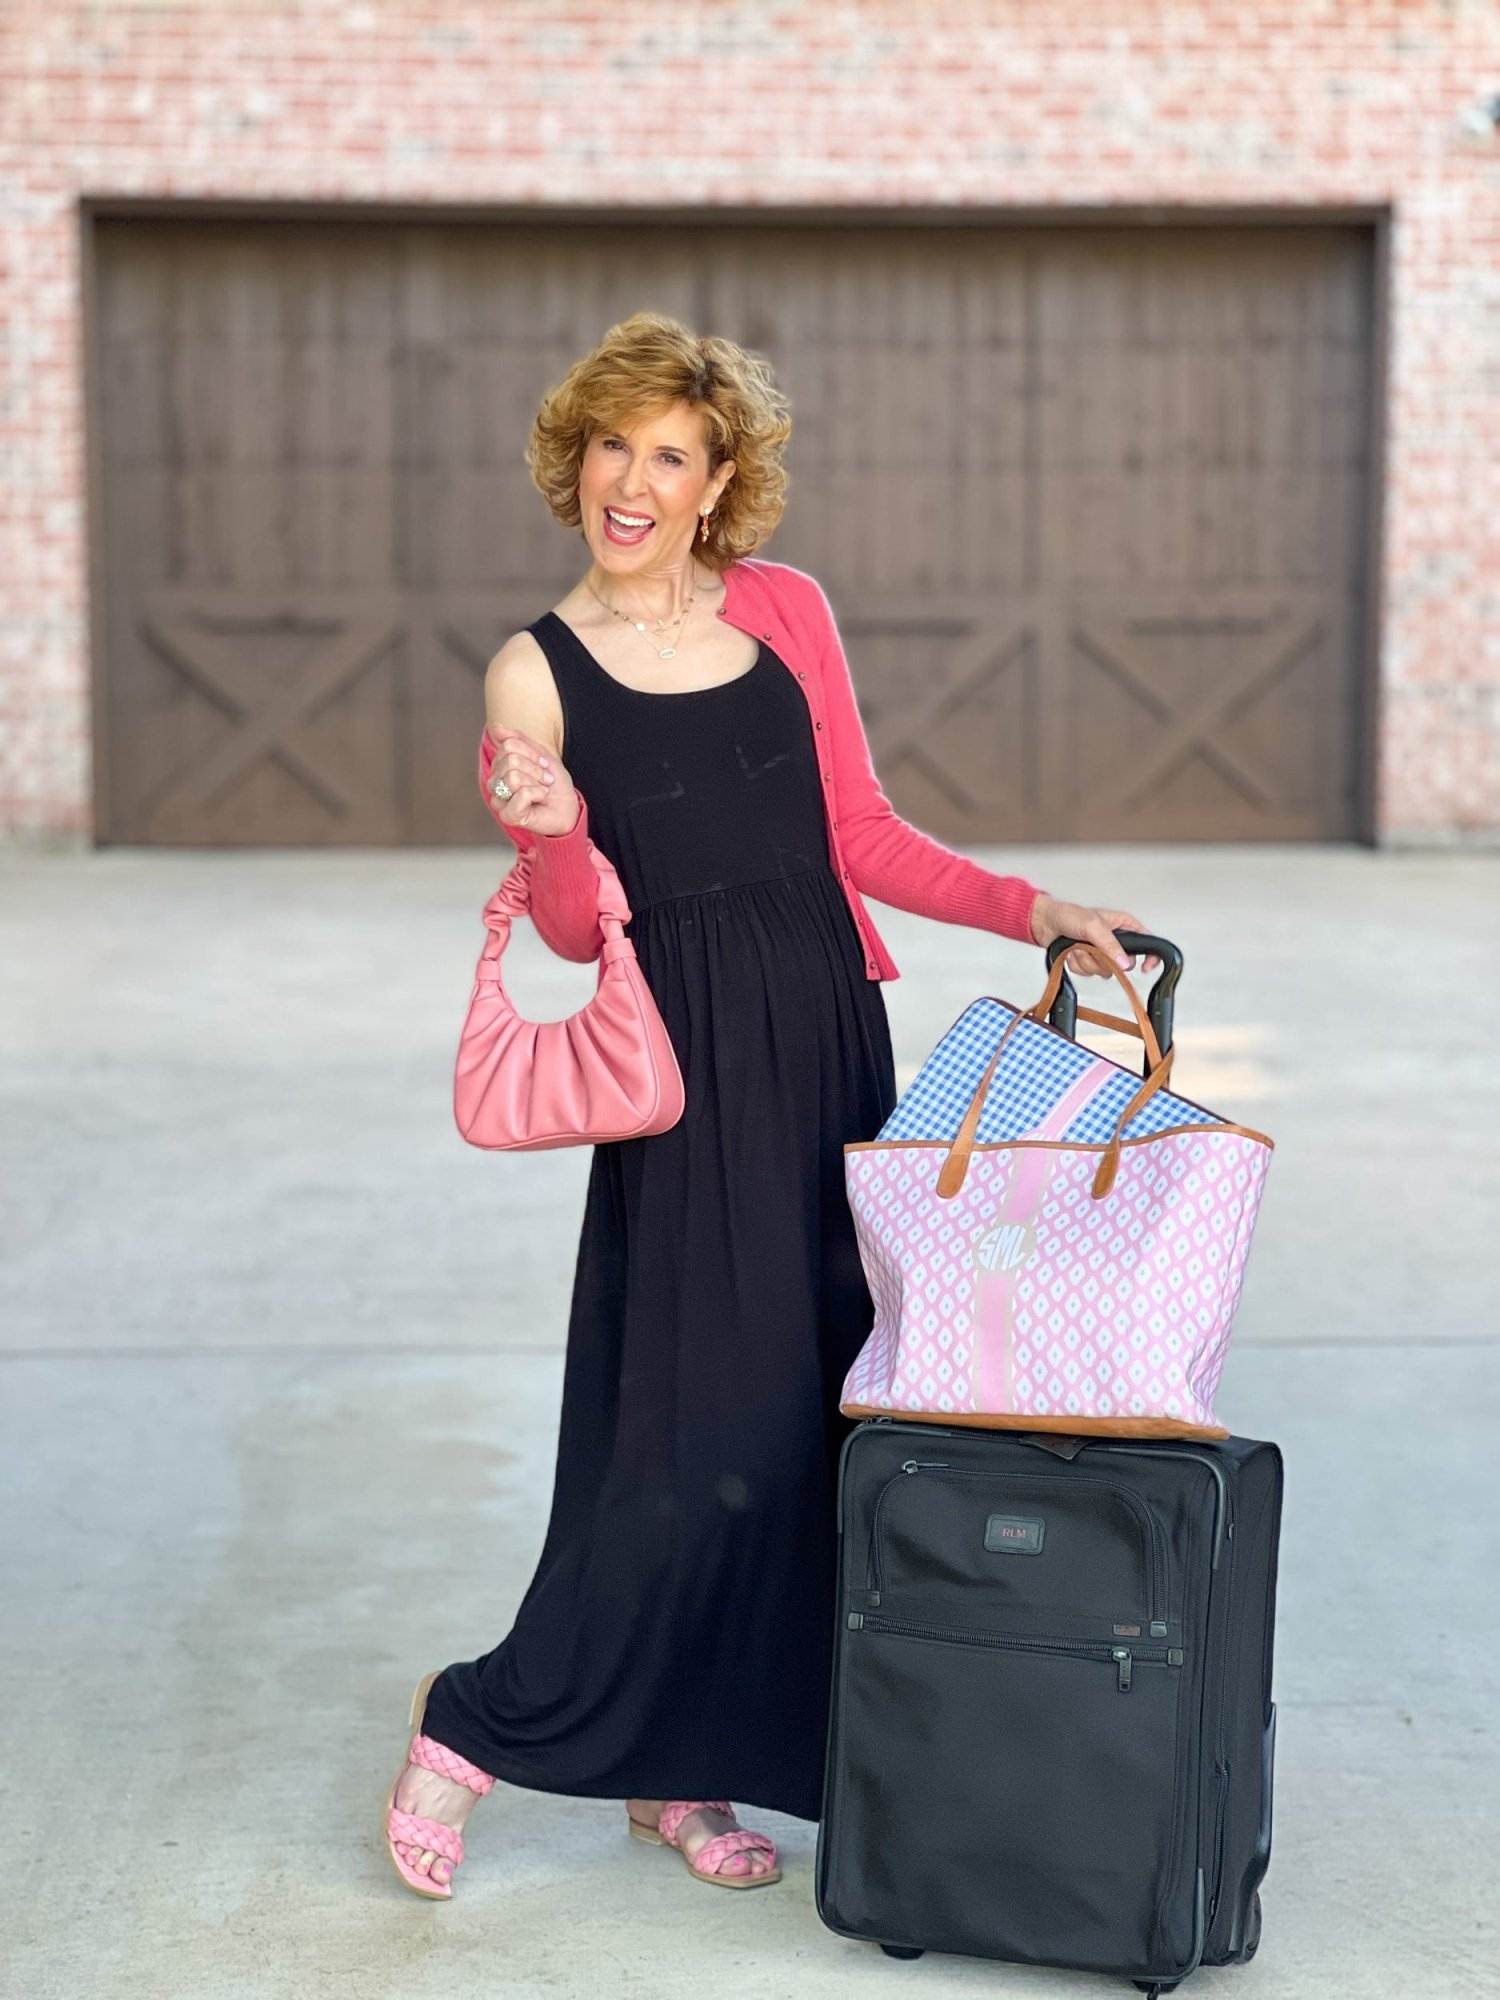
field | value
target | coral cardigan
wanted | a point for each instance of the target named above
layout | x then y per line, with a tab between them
871	848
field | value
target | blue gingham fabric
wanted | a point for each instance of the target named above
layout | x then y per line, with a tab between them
1038	1066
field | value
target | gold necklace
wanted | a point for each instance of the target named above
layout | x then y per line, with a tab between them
670	651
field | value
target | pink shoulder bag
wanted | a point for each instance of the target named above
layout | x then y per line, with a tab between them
607	1072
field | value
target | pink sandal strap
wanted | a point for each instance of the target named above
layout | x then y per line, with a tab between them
434	1756
675	1811
739	1840
414	1831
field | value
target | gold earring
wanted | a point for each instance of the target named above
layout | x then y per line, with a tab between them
704	536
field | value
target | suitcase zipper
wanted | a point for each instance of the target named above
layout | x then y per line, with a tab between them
1157	1606
1122	1658
1223	1546
1223	1525
1216	1850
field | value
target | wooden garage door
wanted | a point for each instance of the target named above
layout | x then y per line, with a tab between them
1088	503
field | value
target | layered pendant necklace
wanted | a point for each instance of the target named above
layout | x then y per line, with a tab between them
667	652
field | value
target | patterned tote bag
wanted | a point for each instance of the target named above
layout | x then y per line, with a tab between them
1050	1242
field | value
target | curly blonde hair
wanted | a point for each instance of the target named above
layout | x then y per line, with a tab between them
647	363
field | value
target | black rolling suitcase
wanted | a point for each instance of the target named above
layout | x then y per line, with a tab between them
1051	1731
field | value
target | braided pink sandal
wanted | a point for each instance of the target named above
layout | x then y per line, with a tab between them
703	1864
410	1829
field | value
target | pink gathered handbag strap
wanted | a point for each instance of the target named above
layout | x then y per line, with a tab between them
513	899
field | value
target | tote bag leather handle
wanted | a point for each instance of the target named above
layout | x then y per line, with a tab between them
955	1166
1065	1013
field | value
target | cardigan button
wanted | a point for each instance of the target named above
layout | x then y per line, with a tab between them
828	777
765	635
800	675
817	725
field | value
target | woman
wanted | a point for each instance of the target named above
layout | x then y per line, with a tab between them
675	1641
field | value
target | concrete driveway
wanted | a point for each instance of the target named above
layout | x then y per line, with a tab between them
282	1361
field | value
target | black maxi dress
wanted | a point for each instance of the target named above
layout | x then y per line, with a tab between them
676	1638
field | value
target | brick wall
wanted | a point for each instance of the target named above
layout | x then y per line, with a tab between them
1297	103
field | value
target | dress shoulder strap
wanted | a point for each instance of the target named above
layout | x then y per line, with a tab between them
552	635
577	689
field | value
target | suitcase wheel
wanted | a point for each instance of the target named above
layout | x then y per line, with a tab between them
903	1950
1252	1931
1153	1988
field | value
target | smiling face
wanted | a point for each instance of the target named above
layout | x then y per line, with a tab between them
644	489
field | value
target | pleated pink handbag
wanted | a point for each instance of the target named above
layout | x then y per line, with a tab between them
607	1072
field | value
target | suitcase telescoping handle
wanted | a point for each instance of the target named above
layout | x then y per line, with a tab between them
1159	1001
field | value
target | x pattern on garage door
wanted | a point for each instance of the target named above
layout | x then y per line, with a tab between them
1088	504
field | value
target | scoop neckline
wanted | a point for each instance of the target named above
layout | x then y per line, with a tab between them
666	694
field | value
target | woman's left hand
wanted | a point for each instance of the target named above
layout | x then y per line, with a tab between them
1052	919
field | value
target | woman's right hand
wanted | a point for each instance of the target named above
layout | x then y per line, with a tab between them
542	796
